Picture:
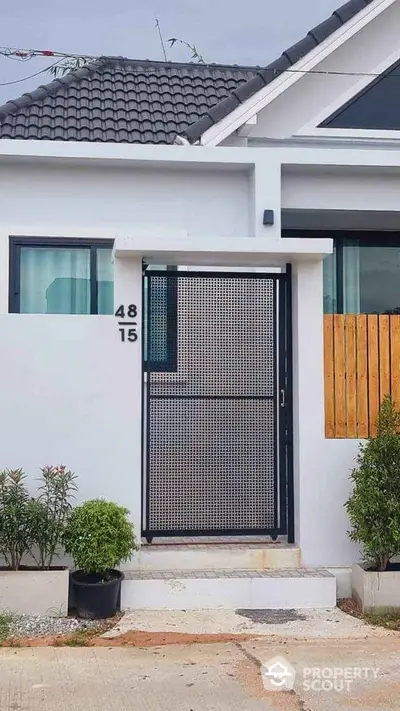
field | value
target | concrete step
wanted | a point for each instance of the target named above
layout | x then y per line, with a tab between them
243	556
228	589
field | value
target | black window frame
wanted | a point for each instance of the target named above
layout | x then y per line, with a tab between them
388	238
16	243
14	292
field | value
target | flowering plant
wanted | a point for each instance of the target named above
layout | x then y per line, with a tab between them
53	509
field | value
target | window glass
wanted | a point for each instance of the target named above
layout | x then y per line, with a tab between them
373	279
105	281
54	280
365	279
330	295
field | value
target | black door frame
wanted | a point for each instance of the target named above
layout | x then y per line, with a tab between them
283	414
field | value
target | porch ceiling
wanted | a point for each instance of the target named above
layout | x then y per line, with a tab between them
221	252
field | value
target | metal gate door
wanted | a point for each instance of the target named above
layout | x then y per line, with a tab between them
216	404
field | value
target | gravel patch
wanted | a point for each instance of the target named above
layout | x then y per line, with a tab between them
38	626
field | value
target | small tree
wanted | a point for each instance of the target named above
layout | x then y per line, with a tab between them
374	505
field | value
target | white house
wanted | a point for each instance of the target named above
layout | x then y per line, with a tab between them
225	392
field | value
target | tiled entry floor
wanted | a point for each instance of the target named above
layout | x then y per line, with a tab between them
224	573
215	540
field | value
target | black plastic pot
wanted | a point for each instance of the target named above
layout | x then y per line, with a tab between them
94	597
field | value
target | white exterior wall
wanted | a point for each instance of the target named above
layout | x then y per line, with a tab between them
337	188
71	389
70	394
101	202
321	466
316	96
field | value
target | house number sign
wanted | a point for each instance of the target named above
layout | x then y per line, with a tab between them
128	323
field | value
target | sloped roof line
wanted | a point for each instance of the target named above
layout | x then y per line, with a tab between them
77	75
265	76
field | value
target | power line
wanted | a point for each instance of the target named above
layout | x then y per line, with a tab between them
31	76
28	54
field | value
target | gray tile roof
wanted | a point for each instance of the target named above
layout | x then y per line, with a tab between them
128	101
265	76
121	100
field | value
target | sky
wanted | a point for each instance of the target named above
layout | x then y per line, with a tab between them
224	31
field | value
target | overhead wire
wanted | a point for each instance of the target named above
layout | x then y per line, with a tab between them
25	55
31	76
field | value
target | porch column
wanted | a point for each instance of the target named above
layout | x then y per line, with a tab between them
308	411
127	374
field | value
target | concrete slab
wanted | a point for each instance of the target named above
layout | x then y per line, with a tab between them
216	677
160	679
301	624
227	589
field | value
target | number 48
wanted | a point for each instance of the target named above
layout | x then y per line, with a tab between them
131	312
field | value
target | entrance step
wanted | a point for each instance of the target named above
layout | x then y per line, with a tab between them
228	589
225	556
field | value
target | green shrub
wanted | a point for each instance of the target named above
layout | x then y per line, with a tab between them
374	505
18	513
57	488
99	536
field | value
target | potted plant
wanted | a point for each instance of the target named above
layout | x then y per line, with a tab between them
374	513
98	536
30	536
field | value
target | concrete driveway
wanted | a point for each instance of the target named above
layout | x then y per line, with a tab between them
201	677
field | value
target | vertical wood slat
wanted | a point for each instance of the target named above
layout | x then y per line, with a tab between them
339	373
384	357
329	377
362	377
373	371
395	358
362	365
350	375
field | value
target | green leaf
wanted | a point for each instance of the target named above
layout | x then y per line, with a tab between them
99	536
374	505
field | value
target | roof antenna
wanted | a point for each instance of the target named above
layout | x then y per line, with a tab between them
161	39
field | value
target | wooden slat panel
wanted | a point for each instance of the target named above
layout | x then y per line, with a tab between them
351	375
362	377
395	358
384	356
329	377
373	371
362	365
339	370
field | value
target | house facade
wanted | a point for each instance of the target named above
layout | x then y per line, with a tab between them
199	289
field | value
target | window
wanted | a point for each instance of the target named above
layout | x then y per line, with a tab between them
76	276
58	276
375	108
363	274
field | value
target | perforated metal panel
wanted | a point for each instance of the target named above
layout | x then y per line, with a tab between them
211	425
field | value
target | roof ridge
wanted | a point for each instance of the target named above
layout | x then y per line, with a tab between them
197	65
265	76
